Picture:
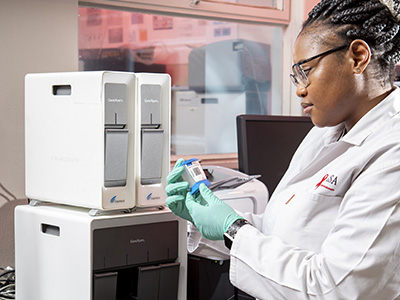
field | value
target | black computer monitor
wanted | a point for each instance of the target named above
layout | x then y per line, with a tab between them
266	144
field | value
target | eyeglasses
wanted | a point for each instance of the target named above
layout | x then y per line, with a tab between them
299	76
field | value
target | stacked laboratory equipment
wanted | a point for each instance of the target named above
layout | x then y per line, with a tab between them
97	157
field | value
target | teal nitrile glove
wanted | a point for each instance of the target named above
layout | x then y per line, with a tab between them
176	190
212	219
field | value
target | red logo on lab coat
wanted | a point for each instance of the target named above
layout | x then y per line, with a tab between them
331	179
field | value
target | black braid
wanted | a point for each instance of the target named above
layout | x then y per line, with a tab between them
343	5
369	20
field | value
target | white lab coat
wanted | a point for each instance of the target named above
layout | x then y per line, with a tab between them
332	227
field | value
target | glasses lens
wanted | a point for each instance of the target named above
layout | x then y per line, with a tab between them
300	75
294	80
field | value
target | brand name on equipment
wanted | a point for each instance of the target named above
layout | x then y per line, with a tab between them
64	159
115	100
151	101
115	200
151	197
137	241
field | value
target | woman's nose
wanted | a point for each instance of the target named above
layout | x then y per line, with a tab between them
301	91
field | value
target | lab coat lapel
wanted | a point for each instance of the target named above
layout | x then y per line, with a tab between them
326	155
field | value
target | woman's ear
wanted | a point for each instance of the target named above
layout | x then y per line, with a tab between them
360	53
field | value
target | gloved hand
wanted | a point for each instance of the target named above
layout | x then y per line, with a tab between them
213	218
176	190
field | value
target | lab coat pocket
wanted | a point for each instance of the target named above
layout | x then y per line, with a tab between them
319	208
308	218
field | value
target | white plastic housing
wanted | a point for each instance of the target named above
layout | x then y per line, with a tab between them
59	265
66	144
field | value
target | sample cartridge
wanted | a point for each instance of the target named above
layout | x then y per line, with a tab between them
194	174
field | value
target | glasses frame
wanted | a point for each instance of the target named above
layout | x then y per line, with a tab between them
299	76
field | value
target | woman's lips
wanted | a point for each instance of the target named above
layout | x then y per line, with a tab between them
306	108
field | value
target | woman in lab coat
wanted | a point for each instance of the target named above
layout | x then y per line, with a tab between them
331	229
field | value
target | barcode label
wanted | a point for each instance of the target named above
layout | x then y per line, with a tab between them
197	171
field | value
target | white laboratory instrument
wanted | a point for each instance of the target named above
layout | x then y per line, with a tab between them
63	253
97	139
244	193
97	150
205	122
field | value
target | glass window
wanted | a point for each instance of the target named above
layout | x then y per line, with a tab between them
219	69
252	3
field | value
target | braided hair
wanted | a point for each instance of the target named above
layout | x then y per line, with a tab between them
369	20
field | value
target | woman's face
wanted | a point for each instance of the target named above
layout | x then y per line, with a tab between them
332	95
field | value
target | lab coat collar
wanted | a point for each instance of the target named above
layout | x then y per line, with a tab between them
374	119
